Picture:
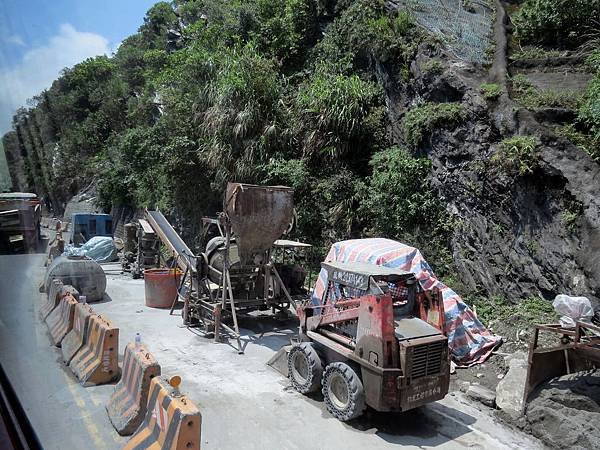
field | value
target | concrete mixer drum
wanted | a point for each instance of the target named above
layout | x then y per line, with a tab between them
258	215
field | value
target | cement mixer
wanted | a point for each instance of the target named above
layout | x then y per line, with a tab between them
236	273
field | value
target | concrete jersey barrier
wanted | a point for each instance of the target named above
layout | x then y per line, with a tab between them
172	421
60	320
51	299
97	361
75	338
127	405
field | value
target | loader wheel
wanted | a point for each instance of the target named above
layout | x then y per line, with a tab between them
343	391
305	368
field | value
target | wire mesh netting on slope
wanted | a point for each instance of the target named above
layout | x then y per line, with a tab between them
464	26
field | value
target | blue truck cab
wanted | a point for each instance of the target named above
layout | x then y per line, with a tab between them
86	226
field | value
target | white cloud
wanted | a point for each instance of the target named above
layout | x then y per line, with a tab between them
14	39
42	65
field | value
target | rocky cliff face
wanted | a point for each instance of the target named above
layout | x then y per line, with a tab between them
518	235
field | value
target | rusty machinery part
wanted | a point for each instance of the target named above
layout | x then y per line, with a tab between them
126	407
85	274
258	216
130	237
305	368
184	257
97	361
141	248
215	257
343	391
577	349
172	420
147	255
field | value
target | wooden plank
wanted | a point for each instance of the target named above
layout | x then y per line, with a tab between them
146	228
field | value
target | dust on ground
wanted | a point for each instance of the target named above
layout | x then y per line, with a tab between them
565	412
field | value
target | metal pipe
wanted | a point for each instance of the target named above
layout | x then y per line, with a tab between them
338	338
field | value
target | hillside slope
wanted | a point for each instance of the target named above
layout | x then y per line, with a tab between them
5	181
469	129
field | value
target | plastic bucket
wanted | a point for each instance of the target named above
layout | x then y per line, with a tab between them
161	287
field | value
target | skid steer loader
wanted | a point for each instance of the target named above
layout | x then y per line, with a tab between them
374	339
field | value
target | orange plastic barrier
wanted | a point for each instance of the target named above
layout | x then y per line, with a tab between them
60	320
127	405
97	361
172	422
75	338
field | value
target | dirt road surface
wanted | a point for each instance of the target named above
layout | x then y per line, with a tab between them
244	403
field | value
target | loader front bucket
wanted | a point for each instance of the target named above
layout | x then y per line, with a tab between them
578	350
259	215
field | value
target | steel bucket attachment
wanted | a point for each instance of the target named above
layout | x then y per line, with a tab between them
577	350
259	215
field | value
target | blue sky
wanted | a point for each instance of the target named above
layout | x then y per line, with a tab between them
38	38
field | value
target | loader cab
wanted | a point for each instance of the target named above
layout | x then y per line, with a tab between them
348	280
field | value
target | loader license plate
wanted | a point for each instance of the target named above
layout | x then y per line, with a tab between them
423	392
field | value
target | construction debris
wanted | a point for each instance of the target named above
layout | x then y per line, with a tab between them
482	395
510	389
573	309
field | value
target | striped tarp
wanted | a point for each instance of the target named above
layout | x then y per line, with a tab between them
469	341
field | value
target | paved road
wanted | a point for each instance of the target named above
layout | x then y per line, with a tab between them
245	404
63	413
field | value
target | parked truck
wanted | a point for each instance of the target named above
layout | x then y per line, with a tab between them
20	216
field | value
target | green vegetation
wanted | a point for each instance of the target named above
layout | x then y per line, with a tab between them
5	181
572	211
491	91
254	92
586	142
433	67
529	96
517	155
526	312
400	202
421	120
263	91
568	219
560	22
589	112
534	52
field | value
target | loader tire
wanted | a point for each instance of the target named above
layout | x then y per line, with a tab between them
343	391
305	368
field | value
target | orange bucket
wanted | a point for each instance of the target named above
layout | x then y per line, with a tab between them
161	287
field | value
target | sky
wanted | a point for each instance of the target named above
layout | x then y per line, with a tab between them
39	38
